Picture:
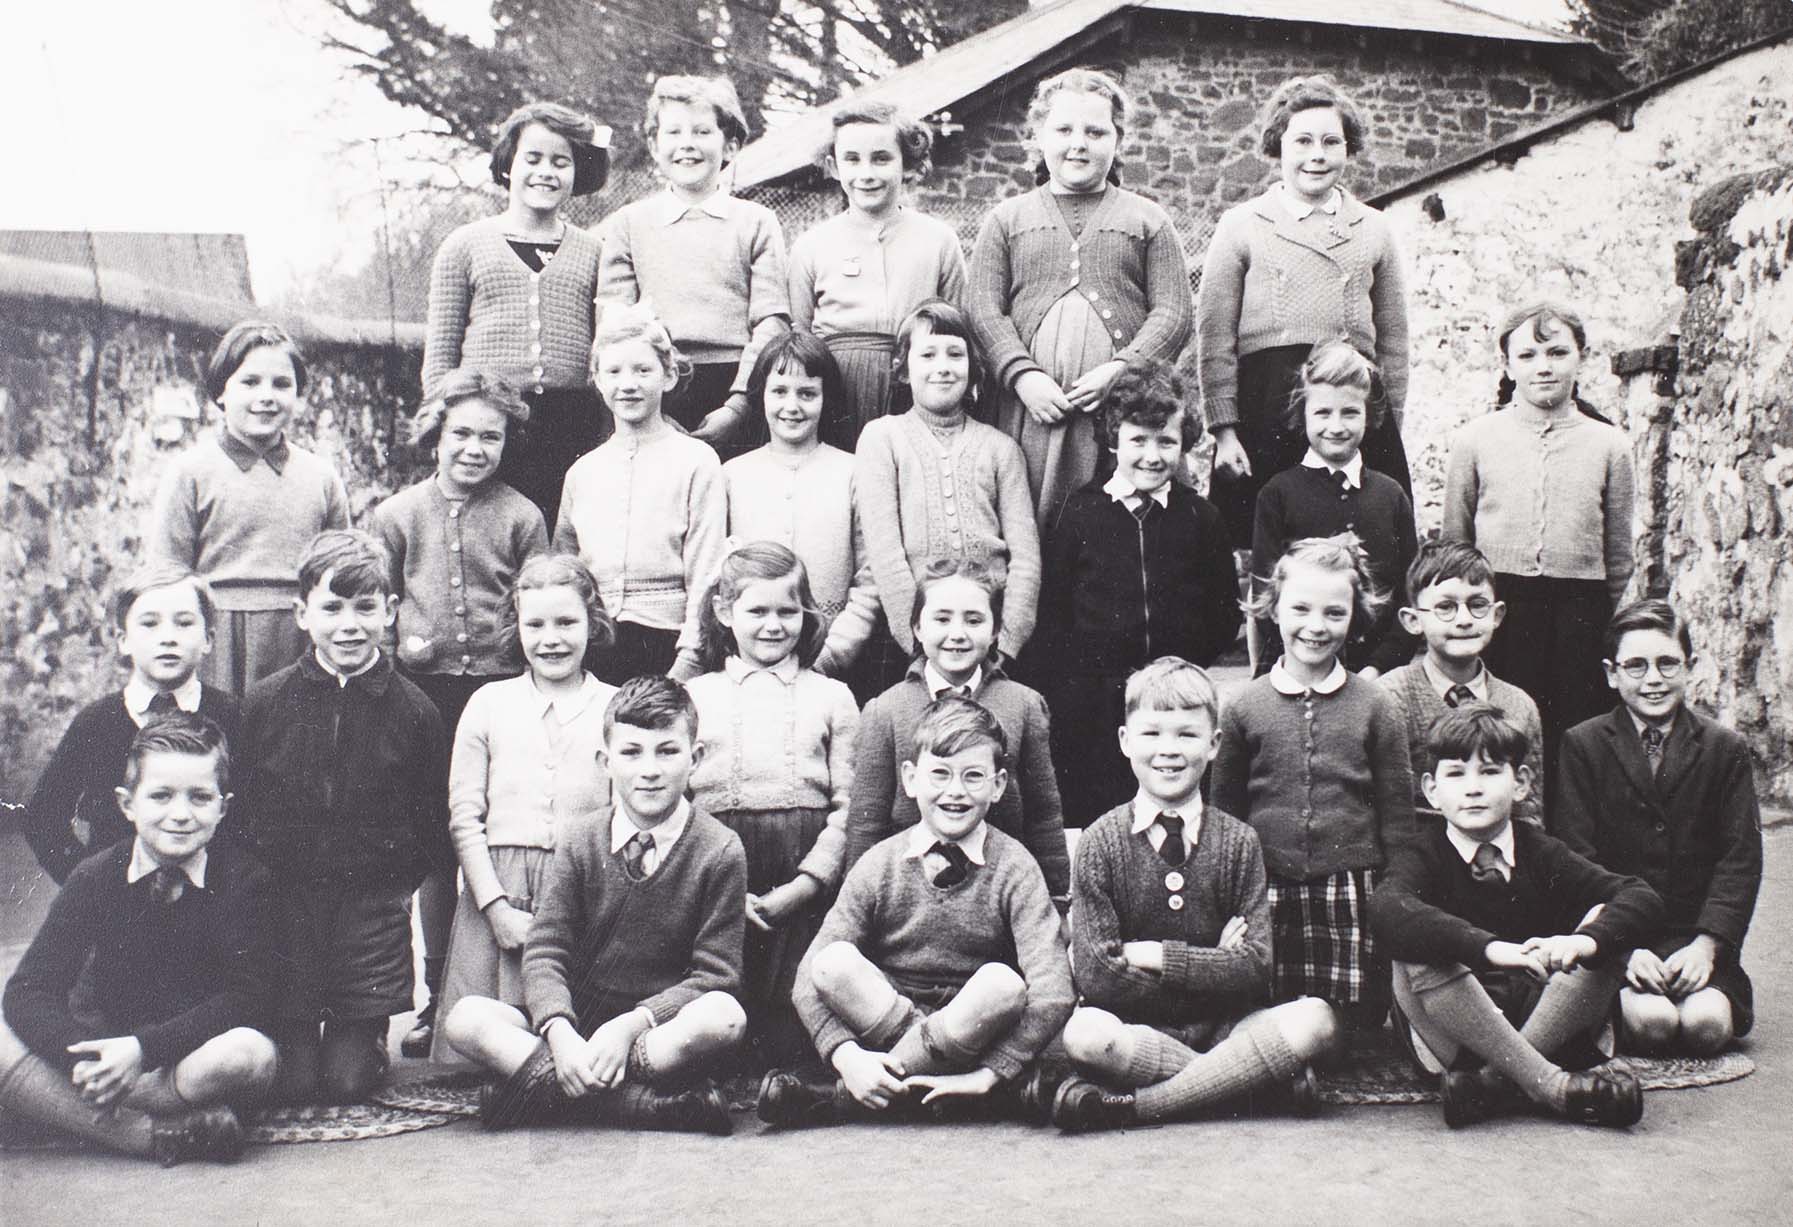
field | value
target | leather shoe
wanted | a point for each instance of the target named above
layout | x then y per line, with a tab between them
1466	1097
422	1033
698	1109
1611	1097
1081	1106
1039	1090
202	1133
1304	1094
790	1101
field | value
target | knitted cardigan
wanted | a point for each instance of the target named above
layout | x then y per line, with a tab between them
1268	280
489	309
849	277
1420	705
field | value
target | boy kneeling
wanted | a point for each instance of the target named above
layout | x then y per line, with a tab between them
635	950
940	968
1479	908
181	940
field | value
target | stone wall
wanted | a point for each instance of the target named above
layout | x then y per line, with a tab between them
94	405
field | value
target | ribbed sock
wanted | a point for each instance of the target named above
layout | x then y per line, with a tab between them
1463	1010
1573	1003
1255	1054
1156	1056
39	1091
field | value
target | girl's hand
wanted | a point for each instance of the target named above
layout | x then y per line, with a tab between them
1518	958
509	925
782	902
571	1068
111	1070
756	913
1690	968
719	424
871	1077
1563	951
1143	956
1045	402
1086	394
980	1081
1229	453
1646	973
1232	937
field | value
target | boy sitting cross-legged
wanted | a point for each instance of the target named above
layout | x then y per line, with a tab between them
176	939
634	955
1172	939
1507	946
940	967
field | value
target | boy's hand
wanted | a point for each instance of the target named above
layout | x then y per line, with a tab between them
782	902
571	1068
1646	973
1089	389
607	1051
1232	937
1143	956
1229	453
1563	951
110	1072
871	1077
980	1081
1045	402
1690	968
1518	958
509	924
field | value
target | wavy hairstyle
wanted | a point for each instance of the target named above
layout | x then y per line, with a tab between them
756	562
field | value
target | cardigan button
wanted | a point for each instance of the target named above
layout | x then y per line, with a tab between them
1175	902
454	581
460	610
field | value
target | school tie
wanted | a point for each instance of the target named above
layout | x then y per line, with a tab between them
958	865
162	704
1486	867
1172	851
635	854
1458	695
1142	507
1342	482
167	884
957	692
1654	739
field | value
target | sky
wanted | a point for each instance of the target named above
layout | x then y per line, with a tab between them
214	116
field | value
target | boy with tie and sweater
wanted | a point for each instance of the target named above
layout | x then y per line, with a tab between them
1452	607
1656	789
634	955
1172	938
163	614
940	968
172	937
1507	946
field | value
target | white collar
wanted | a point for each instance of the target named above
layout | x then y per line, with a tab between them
1286	684
138	694
669	208
566	706
1299	208
972	842
623	828
1352	468
1467	844
937	684
1478	684
1145	819
739	669
342	679
1121	490
143	864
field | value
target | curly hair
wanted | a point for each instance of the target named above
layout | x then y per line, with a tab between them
637	322
914	140
990	574
718	93
459	386
557	571
1299	94
1148	392
1086	81
756	562
1342	554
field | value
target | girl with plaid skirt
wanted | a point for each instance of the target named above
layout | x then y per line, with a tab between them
1315	758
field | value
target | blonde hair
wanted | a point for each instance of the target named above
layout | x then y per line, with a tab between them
1338	364
1341	554
1084	81
637	322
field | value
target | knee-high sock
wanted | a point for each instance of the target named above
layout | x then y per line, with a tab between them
1572	1002
1255	1054
39	1091
1156	1056
1462	1009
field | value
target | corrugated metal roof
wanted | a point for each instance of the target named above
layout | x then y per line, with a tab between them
957	72
214	266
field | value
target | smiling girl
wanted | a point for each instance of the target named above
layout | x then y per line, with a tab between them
855	276
242	505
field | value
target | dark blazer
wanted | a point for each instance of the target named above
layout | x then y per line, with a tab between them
1694	832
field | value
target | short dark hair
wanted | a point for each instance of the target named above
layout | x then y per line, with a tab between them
591	161
162	573
464	384
1299	94
1650	614
990	574
914	141
243	339
943	320
1148	392
951	725
717	93
1439	559
356	563
1463	732
798	347
178	732
652	701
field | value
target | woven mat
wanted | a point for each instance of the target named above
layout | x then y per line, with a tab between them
269	1126
1379	1076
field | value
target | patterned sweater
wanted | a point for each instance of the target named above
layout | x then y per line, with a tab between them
488	308
1421	704
1122	896
928	938
919	499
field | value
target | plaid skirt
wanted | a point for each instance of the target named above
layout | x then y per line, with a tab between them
1320	941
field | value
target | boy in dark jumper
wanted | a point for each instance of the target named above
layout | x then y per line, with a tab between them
1138	566
634	956
173	935
1172	940
163	614
1507	946
343	792
1656	789
940	969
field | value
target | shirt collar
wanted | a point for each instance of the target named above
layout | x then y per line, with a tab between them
669	208
138	694
623	828
1467	844
936	684
340	678
739	669
1478	684
1352	468
1286	684
972	842
244	456
1145	819
568	706
1641	725
1121	491
1299	208
143	864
